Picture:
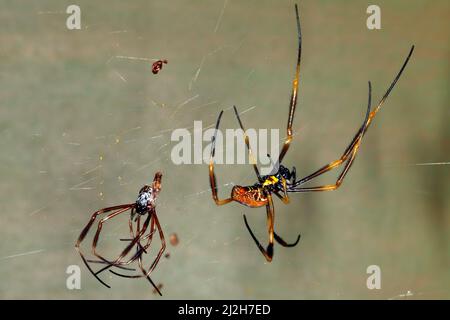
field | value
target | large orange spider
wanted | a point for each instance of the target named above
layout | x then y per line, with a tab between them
283	181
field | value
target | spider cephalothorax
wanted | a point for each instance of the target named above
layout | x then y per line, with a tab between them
279	180
286	173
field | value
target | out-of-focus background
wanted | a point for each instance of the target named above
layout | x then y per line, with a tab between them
84	124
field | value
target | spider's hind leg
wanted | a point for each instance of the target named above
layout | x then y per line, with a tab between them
268	252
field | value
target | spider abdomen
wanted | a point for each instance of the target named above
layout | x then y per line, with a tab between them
249	196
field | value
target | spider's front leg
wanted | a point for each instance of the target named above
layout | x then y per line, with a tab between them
348	157
293	102
212	176
350	153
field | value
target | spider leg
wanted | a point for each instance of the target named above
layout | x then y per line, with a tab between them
354	145
130	223
247	143
107	262
285	194
139	247
280	240
293	102
284	198
284	243
160	252
149	236
279	196
145	274
121	208
127	249
267	253
349	155
293	175
104	261
157	259
96	238
212	176
129	276
163	245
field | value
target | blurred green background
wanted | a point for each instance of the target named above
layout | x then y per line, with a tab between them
82	127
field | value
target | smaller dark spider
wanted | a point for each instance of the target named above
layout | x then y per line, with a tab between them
144	207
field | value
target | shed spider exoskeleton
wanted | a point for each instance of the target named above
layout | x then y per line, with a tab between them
144	207
283	180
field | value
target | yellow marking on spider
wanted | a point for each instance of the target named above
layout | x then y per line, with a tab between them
270	181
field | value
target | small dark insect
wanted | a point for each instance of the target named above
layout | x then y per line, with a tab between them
144	208
167	255
157	66
283	181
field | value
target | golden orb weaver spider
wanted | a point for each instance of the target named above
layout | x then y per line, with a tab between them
283	180
145	207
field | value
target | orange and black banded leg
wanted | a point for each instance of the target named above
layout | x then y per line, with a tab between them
293	102
144	272
280	240
212	176
348	157
268	252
